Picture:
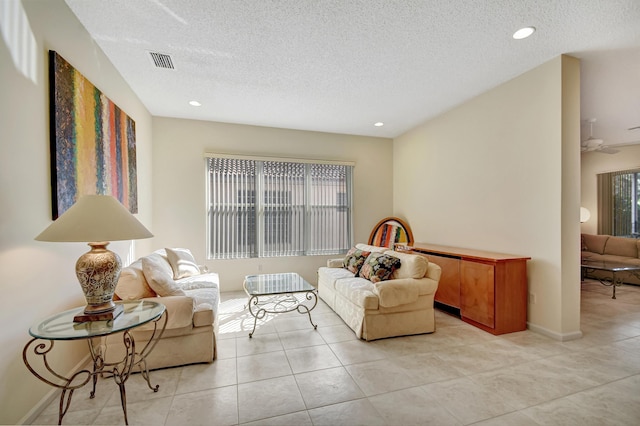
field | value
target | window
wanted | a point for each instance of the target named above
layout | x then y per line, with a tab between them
618	206
268	208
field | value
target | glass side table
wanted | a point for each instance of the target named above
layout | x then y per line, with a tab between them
61	327
275	294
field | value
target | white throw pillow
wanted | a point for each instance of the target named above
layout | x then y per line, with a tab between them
182	262
158	278
132	284
413	265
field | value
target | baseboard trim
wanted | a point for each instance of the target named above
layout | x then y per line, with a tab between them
54	393
562	337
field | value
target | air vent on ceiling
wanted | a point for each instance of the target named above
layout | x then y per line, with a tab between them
161	60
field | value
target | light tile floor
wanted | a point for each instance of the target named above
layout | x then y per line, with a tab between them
290	374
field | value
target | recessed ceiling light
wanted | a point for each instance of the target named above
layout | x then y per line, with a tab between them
195	103
379	124
524	33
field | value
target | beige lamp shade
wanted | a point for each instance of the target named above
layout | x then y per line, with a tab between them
95	218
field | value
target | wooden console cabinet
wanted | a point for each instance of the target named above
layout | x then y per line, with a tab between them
489	289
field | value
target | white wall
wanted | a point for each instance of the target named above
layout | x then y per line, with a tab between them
594	163
179	216
497	173
37	279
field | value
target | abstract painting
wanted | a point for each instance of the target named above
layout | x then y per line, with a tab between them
93	142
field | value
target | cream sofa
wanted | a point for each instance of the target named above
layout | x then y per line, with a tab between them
611	249
191	296
401	305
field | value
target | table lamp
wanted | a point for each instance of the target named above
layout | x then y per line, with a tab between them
96	219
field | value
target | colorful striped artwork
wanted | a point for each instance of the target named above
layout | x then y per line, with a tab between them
388	234
93	142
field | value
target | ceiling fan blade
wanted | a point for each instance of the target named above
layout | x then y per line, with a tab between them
633	128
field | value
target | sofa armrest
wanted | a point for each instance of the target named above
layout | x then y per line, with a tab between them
179	309
335	263
402	291
433	273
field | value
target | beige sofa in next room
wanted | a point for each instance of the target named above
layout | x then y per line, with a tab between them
611	249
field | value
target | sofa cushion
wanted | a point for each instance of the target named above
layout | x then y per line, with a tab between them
182	262
412	265
379	267
595	243
612	259
621	246
375	249
354	259
329	276
159	257
335	263
208	280
358	291
132	284
159	279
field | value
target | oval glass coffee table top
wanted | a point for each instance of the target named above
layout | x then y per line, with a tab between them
61	326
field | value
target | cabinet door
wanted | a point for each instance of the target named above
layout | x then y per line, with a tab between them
477	292
449	286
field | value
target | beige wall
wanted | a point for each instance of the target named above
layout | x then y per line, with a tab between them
493	174
594	163
179	216
37	279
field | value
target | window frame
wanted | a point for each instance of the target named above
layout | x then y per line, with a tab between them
345	203
611	192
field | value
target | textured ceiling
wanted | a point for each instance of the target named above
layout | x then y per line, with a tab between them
342	65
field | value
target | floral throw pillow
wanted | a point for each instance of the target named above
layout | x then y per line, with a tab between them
379	267
354	259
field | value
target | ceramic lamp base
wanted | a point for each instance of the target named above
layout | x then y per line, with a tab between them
98	271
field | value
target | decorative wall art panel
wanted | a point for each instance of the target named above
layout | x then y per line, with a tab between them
93	142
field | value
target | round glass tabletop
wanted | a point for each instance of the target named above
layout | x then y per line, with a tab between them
61	326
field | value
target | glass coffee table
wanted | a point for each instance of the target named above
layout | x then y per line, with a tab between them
615	269
276	294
